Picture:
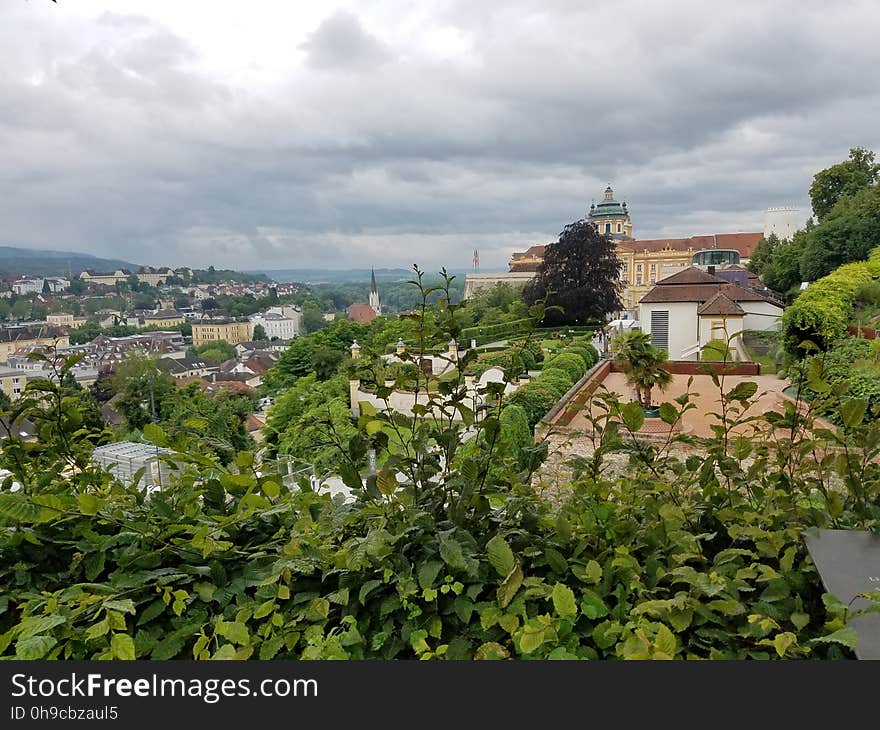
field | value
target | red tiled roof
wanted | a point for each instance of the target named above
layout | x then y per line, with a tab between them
745	243
721	304
662	293
361	313
690	275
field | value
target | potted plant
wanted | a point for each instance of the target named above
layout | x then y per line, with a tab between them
643	364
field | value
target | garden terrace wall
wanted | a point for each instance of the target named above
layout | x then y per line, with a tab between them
696	367
578	394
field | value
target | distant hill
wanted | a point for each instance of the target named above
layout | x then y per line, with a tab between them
339	276
35	262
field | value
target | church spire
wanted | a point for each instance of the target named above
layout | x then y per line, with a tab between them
375	304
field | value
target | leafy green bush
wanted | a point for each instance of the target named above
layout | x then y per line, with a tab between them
556	380
447	551
573	364
822	312
535	399
588	353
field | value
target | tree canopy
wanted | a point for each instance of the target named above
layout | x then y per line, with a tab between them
579	279
843	180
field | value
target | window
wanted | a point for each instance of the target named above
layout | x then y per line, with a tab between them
607	228
653	268
618	227
638	279
660	329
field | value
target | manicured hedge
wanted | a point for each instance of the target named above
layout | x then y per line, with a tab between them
492	332
535	399
573	364
556	380
823	311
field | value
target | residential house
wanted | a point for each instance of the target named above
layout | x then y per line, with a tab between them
187	367
687	310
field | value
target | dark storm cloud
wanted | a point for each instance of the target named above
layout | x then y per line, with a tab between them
124	143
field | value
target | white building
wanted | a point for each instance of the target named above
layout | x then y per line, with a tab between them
685	311
288	310
35	285
277	326
784	222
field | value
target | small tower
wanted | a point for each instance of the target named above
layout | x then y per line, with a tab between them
611	218
375	304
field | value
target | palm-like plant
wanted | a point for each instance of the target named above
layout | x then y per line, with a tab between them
642	362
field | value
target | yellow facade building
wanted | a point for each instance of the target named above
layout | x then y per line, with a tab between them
231	331
164	318
645	262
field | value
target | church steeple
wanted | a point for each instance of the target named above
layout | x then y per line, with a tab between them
375	304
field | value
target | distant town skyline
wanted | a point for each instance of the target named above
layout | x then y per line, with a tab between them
275	136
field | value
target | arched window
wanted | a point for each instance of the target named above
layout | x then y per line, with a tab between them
618	227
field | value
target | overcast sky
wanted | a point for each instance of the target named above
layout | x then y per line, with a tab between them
274	134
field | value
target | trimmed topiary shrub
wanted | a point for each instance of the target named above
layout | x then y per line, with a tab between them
556	380
573	364
535	399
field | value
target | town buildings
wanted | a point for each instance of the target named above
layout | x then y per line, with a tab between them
645	261
232	331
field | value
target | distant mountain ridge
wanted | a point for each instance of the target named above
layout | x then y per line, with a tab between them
338	276
37	262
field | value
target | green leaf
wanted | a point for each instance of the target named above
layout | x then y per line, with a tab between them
563	601
491	650
500	555
386	481
852	412
507	590
531	639
122	646
450	551
264	609
224	653
34	625
800	620
19	508
592	605
668	413
155	434
235	631
781	642
34	647
633	416
125	605
846	637
664	642
428	573
742	391
89	504
592	573
366	589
